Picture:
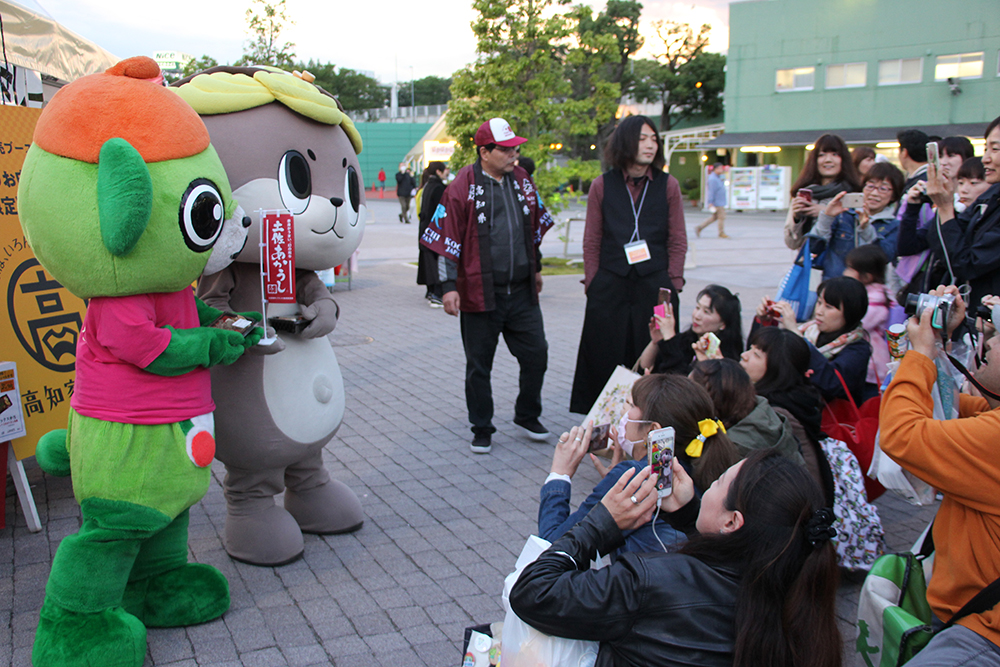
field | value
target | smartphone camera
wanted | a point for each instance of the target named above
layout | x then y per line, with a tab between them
916	304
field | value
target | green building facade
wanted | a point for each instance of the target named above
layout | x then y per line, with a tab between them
862	69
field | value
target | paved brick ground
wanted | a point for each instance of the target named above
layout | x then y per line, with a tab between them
443	525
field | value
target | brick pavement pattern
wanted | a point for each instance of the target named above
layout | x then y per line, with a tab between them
443	525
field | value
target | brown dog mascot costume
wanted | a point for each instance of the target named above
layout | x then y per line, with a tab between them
286	144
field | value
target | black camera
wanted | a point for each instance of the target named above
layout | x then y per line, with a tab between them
916	304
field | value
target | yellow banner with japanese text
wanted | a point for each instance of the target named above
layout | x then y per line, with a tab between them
42	319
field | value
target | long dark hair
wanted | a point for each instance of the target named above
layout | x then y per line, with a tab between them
859	155
787	360
674	400
851	297
623	145
432	169
786	602
828	143
729	386
727	305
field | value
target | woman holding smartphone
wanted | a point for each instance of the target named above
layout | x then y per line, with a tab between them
755	585
657	401
716	312
838	342
845	225
828	171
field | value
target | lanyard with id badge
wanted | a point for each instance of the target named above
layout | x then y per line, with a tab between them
636	250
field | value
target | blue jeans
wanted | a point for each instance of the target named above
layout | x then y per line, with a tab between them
554	517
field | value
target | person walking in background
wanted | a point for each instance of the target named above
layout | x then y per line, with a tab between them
381	180
406	188
633	244
431	190
716	200
487	232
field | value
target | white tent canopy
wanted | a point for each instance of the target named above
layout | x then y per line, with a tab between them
33	40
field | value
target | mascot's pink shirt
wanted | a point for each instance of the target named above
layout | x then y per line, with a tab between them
121	336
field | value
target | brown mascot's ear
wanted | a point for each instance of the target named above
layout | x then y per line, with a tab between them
124	196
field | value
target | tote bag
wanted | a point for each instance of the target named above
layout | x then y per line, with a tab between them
795	287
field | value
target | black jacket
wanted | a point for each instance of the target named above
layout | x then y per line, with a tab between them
405	184
973	243
645	609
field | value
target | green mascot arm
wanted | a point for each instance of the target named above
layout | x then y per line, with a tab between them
207	314
202	347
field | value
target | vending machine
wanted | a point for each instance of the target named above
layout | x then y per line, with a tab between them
772	187
743	188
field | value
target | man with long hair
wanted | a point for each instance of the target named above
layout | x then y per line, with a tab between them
633	245
486	232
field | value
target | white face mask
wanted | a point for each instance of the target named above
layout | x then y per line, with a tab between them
629	445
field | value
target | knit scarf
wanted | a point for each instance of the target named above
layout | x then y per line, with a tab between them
810	331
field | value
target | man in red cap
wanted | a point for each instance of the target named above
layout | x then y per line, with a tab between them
486	233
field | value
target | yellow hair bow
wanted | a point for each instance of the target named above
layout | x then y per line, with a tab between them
708	428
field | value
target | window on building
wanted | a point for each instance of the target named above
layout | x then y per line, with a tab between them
796	78
848	75
901	70
959	66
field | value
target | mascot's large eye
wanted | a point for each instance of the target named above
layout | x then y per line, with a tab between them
294	182
201	215
352	189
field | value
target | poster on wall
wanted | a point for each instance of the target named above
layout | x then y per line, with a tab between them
42	320
11	416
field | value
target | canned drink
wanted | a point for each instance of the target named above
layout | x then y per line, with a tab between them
896	338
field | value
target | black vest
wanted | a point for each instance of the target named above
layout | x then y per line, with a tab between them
619	224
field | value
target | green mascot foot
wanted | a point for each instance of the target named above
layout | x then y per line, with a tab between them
110	638
191	594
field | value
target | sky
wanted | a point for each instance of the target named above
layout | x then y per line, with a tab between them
395	39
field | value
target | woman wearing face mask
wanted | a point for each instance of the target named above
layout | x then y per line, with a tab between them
875	222
716	311
828	171
657	401
837	340
755	585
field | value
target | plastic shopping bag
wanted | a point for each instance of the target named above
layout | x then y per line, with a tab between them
524	646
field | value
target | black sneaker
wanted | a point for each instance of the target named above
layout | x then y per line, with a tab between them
533	429
482	443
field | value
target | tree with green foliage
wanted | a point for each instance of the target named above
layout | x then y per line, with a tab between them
265	23
519	75
355	91
426	91
196	65
684	78
597	66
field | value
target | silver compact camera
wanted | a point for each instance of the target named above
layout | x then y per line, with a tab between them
916	304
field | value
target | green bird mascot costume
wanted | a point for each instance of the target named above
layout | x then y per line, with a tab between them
125	202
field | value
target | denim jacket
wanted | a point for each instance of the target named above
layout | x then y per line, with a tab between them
554	517
842	236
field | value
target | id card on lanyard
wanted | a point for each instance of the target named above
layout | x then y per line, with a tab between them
636	250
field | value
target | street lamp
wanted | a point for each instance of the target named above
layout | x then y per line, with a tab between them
413	106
